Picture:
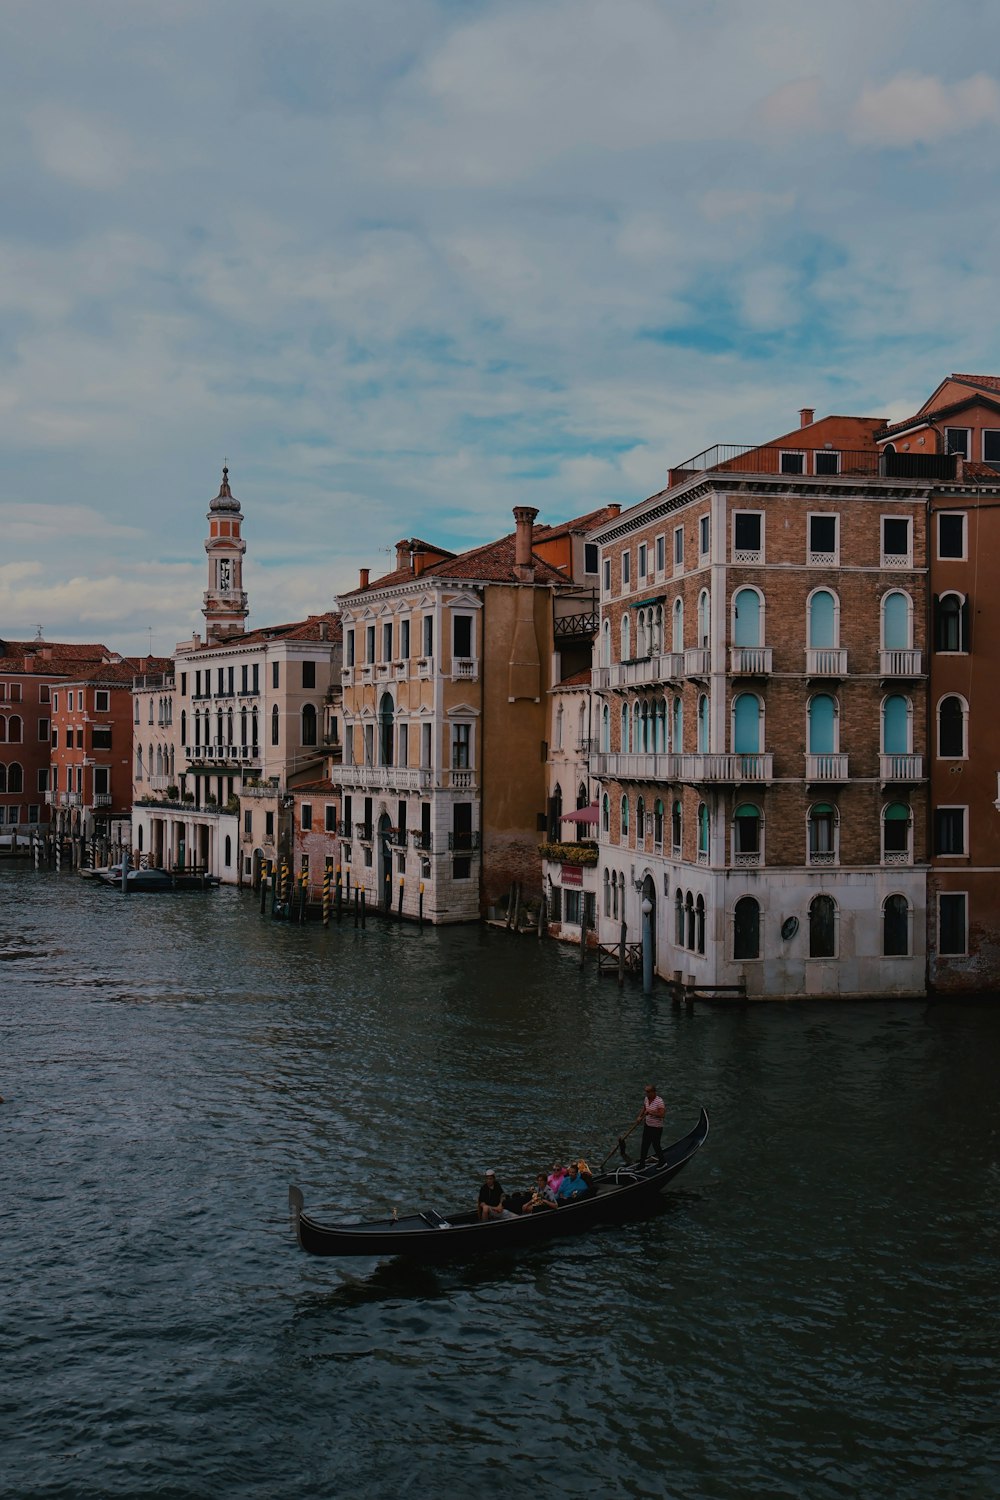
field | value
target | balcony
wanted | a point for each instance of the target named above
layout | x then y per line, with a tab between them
461	779
269	789
466	842
900	663
343	829
464	669
363	831
826	767
645	670
102	799
422	841
666	766
750	661
69	799
401	670
844	463
697	661
826	661
901	767
822	857
52	799
399	778
159	783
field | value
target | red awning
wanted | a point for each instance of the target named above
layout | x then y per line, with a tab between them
582	815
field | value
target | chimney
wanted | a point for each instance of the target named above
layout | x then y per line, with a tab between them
324	630
418	561
524	515
806	415
402	553
364	578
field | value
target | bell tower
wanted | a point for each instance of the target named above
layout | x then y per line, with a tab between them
225	607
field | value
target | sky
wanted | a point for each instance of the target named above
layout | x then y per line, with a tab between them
405	264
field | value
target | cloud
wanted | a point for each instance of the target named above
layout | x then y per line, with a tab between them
794	108
80	149
918	109
727	203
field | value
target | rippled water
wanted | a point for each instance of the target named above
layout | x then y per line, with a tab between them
814	1315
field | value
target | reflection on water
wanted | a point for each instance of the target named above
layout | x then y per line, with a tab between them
812	1314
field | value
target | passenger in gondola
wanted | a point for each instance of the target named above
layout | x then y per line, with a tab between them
542	1198
572	1185
587	1175
556	1176
491	1199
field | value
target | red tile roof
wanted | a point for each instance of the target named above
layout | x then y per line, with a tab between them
297	630
985	382
575	679
51	658
579	523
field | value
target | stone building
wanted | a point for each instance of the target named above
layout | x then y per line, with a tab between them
762	670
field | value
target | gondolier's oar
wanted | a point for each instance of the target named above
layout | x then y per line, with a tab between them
619	1146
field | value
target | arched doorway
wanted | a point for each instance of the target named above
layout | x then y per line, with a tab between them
384	862
649	894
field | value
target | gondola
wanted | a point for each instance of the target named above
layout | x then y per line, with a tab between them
617	1196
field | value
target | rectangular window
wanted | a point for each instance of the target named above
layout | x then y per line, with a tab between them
308	674
572	899
461	740
248	821
590	555
369	643
255	680
956	440
184	684
747	536
43	729
33	812
704	535
100	739
607	575
330	819
44	693
952	923
269	825
678	547
55	703
275	675
826	462
220	681
895	541
661	554
403	758
349	649
230	680
793	463
245	678
949	830
991	448
43	779
642	559
102	781
387	640
428	635
55	739
404	640
425	745
626	570
951	534
822	539
462	636
102	701
307	817
15	693
69	702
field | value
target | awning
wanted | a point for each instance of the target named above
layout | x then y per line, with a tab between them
582	815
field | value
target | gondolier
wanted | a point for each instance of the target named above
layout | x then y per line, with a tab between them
651	1115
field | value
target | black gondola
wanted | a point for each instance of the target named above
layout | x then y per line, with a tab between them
619	1195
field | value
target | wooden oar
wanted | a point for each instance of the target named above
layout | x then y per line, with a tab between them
619	1146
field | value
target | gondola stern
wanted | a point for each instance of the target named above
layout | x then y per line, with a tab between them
296	1203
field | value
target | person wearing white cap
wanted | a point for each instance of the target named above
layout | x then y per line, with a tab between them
490	1204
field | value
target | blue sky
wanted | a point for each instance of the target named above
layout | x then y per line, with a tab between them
408	263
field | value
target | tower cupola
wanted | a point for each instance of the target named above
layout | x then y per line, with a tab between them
225	604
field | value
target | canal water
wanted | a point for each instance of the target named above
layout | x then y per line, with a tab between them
814	1314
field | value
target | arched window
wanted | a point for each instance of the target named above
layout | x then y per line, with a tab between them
746	928
951	623
607	894
658	629
658	823
582	797
244	723
897	825
821	725
605	729
15	778
626	638
640	820
679	917
689	921
677	643
605	814
822	927
3	731
646	743
895	927
703	724
309	724
746	724
703	830
823	619
822	834
582	726
555	812
557	733
274	725
676	826
641	647
661	724
3	777
704	618
229	727
952	713
159	760
746	834
253	728
624	819
896	725
14	729
746	618
228	857
625	721
699	925
606	644
636	737
614	896
896	621
677	730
